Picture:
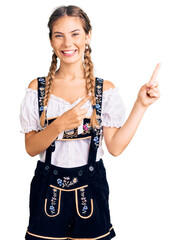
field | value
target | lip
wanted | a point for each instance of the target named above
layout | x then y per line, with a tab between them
69	53
68	50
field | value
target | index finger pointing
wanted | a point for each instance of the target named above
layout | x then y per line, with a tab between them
155	73
82	102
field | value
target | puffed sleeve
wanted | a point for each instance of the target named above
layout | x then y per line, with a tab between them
29	112
113	108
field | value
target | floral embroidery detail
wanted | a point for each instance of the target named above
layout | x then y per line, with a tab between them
59	181
41	95
75	180
53	201
83	201
99	128
41	90
86	127
70	133
98	107
95	139
66	182
42	80
73	133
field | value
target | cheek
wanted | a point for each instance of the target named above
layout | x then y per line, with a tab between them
81	43
58	43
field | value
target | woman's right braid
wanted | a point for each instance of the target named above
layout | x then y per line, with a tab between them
49	82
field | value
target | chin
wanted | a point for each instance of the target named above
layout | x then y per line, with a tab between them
70	61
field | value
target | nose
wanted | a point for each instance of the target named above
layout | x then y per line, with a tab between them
67	42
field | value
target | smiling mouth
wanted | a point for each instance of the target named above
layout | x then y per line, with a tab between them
69	53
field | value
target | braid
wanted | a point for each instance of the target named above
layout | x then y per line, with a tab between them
74	11
49	82
90	82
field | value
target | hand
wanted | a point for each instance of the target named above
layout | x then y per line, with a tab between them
149	93
73	117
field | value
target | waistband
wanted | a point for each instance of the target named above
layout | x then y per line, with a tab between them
46	169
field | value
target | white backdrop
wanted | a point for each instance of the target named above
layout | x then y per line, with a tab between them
129	39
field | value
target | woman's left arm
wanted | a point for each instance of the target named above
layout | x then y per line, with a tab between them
117	139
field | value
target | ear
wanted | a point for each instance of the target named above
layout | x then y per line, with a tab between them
88	37
51	42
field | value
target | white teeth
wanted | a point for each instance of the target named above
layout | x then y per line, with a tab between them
69	52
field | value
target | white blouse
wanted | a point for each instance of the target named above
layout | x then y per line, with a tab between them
71	153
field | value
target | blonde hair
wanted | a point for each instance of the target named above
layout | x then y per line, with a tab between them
88	65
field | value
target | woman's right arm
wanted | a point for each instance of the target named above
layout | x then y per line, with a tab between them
37	142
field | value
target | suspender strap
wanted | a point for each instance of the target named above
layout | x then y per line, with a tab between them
99	95
49	151
41	95
97	132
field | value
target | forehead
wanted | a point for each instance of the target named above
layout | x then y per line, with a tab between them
67	24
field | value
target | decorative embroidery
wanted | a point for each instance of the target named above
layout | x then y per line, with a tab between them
70	133
41	95
83	201
66	182
42	80
53	201
95	139
73	133
41	91
86	128
98	107
99	128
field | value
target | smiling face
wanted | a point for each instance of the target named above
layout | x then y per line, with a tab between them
69	39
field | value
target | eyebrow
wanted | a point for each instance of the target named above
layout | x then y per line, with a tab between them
70	32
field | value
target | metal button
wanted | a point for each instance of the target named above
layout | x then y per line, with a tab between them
53	144
80	173
47	167
55	172
91	168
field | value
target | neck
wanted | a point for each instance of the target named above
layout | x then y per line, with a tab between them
70	71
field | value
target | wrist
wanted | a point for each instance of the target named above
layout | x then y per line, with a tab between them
59	126
140	105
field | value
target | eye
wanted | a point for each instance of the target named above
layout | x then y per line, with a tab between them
59	36
75	34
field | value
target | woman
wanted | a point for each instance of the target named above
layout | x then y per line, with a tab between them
64	117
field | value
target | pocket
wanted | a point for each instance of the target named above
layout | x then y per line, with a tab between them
52	202
84	204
